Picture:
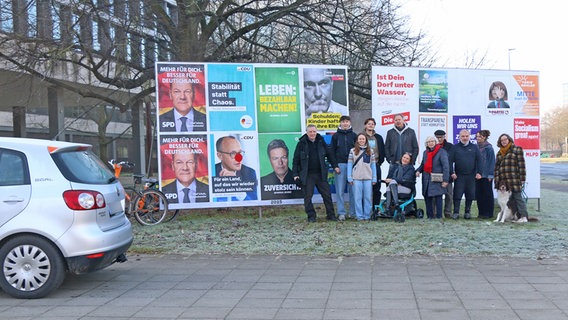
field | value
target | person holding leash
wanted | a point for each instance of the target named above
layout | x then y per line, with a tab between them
510	170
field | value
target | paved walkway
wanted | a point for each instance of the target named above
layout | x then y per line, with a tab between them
298	287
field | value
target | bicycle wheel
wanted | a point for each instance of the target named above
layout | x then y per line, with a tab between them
129	195
171	215
150	207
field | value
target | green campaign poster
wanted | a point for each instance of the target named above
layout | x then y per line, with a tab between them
276	152
278	99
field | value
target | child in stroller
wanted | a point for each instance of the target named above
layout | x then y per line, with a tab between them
399	197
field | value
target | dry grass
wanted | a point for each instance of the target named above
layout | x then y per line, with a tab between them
284	230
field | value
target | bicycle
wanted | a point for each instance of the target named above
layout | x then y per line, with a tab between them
148	205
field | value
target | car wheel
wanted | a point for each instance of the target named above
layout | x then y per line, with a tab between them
32	267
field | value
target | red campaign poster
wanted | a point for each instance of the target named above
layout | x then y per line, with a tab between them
527	133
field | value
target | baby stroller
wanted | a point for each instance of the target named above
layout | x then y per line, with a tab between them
406	207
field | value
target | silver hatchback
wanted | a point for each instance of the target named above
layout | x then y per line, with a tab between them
61	210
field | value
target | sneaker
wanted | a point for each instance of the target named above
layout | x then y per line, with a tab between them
332	218
522	220
341	217
467	215
311	219
456	216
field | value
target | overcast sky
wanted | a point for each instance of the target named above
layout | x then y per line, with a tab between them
536	30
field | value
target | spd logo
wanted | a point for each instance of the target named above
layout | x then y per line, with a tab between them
171	196
168	124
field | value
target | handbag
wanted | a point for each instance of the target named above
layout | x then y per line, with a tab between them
437	177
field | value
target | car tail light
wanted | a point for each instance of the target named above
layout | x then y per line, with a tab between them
84	199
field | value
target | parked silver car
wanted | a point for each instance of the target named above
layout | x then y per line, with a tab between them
61	210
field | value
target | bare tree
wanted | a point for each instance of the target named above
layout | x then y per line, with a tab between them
112	45
554	131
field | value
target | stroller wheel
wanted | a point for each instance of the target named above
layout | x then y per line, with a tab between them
399	216
419	213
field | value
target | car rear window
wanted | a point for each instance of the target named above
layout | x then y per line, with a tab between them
83	167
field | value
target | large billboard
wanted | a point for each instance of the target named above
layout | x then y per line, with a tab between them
227	132
501	101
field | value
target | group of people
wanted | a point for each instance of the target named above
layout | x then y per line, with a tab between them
449	172
356	160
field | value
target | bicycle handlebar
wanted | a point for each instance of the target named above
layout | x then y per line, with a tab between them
113	163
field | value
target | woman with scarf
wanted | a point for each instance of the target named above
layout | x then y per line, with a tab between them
434	163
510	170
362	175
483	188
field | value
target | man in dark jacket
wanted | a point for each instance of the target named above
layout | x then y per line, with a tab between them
341	143
465	169
449	195
400	140
310	170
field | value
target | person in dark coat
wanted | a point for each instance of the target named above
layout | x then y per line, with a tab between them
465	169
341	143
377	143
483	187
449	194
400	179
310	170
434	160
400	139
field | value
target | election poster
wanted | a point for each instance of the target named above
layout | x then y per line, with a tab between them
230	96
276	153
325	96
181	97
430	99
185	174
234	166
278	99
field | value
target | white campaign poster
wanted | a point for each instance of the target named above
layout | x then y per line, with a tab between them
455	99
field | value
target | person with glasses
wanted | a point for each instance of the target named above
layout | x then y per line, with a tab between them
510	170
186	188
231	155
279	184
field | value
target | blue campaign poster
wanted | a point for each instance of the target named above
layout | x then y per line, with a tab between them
230	97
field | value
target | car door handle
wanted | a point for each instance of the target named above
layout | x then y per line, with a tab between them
13	200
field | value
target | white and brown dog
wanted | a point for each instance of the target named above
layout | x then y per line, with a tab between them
509	211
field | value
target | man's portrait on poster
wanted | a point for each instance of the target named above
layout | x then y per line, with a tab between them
231	157
318	92
279	184
186	188
183	117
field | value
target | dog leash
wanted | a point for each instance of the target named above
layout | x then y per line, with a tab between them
524	194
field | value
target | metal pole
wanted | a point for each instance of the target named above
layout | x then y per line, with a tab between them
509	53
